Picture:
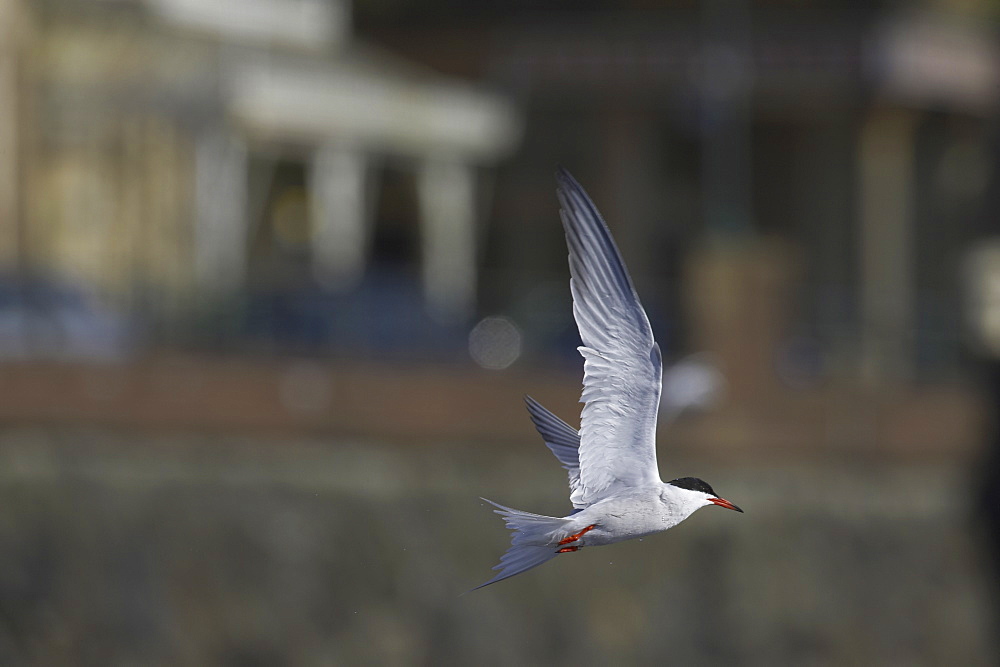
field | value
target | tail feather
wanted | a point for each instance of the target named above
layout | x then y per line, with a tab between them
531	541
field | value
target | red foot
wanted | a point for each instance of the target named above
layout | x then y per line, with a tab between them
566	550
574	538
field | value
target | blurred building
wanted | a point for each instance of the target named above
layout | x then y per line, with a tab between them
861	140
167	153
793	188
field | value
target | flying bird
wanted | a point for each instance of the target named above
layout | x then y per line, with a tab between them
614	481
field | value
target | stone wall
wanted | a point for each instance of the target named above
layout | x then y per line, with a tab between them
127	548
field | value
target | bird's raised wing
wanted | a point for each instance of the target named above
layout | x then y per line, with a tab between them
622	367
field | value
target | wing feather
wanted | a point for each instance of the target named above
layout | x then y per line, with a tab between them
561	438
622	365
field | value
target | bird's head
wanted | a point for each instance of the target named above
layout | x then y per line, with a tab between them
700	493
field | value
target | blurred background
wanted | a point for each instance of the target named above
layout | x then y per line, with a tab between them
275	274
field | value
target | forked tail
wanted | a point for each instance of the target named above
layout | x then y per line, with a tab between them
531	541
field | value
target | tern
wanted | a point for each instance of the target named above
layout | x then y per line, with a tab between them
614	482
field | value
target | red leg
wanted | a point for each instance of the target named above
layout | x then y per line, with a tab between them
566	550
574	538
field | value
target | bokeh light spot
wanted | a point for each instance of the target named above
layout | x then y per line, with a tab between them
495	342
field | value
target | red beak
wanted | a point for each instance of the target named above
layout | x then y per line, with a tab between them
721	502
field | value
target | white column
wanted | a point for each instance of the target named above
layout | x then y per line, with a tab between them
887	290
446	190
340	216
221	213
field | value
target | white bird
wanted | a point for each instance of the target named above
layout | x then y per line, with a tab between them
614	481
